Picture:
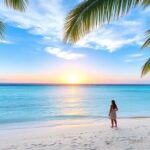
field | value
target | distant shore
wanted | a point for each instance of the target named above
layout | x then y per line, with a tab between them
131	134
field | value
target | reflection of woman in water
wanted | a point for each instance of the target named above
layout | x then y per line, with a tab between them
112	113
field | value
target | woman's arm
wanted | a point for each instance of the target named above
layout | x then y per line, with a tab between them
110	110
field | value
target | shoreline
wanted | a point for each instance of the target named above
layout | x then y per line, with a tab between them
62	120
131	134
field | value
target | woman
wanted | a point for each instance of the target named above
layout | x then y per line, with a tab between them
112	114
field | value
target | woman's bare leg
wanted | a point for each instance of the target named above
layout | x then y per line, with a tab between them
112	123
115	123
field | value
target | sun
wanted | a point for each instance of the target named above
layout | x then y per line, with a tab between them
73	79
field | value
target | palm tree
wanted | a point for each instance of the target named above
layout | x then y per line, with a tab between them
19	5
91	14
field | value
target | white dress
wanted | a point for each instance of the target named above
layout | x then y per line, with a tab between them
113	114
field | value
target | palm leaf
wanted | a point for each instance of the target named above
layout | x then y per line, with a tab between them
147	42
1	30
16	4
91	14
19	5
146	68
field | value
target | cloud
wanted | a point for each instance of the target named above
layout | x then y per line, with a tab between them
135	57
5	41
46	19
146	11
114	37
68	55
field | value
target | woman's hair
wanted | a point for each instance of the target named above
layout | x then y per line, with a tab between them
114	106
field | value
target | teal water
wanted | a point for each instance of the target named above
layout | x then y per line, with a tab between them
28	103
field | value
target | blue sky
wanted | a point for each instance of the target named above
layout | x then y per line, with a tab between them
33	50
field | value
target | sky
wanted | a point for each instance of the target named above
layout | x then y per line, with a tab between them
33	50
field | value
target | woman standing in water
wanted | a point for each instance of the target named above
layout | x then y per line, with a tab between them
112	113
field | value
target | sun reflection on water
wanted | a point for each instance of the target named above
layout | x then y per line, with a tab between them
72	103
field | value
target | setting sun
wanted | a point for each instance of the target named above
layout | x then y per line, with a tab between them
73	79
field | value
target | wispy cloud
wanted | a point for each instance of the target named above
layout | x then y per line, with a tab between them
112	38
135	57
68	55
6	42
146	12
46	19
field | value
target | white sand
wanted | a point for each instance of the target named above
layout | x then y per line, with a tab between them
132	134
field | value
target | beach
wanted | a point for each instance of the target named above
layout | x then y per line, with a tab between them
74	117
95	134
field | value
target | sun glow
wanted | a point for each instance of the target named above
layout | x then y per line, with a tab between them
74	76
73	79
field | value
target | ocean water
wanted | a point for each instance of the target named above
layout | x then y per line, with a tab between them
28	103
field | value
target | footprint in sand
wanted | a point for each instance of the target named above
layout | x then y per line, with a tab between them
108	142
93	148
73	146
12	147
29	147
86	145
80	137
130	148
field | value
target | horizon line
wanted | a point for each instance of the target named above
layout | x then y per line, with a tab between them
65	84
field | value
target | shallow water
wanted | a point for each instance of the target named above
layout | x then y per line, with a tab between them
29	103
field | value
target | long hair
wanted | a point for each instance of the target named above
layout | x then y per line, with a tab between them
114	106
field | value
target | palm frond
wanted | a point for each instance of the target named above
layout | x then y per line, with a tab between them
16	4
147	42
91	14
1	30
146	68
146	3
19	5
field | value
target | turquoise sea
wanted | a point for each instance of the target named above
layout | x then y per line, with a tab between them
28	103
